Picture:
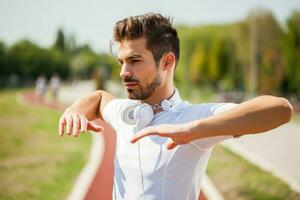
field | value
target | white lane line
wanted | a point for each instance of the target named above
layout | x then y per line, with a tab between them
209	190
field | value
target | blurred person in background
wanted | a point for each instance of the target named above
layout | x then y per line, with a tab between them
54	86
40	86
144	169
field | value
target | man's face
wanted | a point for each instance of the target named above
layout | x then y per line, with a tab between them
139	72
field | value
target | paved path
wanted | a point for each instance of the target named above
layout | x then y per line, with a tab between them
69	93
277	151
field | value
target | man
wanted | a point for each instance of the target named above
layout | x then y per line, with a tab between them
144	168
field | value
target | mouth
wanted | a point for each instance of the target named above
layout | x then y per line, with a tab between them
130	85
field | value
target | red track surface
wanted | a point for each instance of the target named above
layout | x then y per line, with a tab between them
101	188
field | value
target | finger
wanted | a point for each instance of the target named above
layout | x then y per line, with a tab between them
69	121
94	127
76	126
139	136
171	145
83	124
147	132
61	126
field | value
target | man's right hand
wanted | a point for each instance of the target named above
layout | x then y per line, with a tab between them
75	123
76	118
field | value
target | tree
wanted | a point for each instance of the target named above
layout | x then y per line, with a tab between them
27	60
3	67
60	40
268	51
292	55
70	43
198	64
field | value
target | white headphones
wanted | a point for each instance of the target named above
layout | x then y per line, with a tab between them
142	114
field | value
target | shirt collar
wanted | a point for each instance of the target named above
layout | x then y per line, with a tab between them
175	99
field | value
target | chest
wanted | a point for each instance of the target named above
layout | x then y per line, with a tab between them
149	154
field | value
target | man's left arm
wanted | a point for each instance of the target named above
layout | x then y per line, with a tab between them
253	116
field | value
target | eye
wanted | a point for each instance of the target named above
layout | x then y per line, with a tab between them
135	61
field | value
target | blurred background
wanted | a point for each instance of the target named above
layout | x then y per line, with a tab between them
53	52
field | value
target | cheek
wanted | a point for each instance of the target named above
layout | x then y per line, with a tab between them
146	73
150	75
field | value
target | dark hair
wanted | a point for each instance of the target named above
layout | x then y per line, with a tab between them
161	36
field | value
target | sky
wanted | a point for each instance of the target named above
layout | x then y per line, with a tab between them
92	21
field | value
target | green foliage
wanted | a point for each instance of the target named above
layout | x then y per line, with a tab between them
209	57
292	55
219	56
2	58
27	61
198	64
60	40
84	62
24	61
269	59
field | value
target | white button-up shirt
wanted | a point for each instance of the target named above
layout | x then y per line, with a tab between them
146	170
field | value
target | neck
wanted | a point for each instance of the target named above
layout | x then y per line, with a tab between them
161	93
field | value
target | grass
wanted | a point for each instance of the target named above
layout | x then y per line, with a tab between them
237	179
35	163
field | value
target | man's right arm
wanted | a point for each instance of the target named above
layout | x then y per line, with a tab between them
77	118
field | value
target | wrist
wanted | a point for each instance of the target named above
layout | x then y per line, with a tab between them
75	109
195	129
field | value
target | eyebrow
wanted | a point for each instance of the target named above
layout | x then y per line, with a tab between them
131	57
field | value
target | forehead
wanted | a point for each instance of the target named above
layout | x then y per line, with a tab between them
128	48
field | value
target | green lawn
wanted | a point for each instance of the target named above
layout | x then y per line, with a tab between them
237	179
35	163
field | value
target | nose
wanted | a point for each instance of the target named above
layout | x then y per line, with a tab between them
125	71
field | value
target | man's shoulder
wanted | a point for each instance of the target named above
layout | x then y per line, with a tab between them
198	106
207	108
208	104
212	108
117	104
122	101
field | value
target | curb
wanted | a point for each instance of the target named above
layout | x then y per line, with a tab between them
261	163
88	173
209	190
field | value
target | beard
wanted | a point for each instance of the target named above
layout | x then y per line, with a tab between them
142	93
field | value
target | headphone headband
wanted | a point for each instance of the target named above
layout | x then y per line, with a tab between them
142	114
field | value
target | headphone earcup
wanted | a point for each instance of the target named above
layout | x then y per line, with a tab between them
127	114
143	114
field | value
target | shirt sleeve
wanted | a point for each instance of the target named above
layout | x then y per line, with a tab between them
111	112
211	110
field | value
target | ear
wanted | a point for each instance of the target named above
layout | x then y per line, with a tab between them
168	60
